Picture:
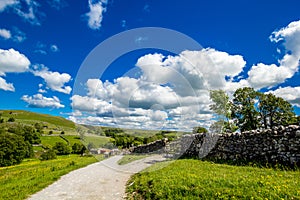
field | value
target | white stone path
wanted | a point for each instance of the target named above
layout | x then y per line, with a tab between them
98	181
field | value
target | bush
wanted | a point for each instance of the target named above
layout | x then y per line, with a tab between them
61	148
11	119
13	149
48	155
78	148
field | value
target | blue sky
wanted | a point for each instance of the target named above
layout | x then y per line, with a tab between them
44	43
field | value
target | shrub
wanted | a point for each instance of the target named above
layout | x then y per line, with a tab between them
78	148
11	119
48	155
61	148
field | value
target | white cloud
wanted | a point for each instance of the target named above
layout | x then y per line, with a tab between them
16	35
12	61
7	3
191	70
26	9
170	90
270	75
54	80
173	91
54	48
6	86
267	76
5	34
89	104
39	101
291	94
95	15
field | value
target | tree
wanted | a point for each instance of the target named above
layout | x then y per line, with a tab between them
13	149
243	109
275	111
39	127
199	129
222	107
221	104
30	135
61	148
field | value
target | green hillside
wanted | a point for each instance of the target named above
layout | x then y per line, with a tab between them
54	123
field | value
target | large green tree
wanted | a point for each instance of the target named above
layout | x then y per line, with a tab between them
275	111
243	110
13	149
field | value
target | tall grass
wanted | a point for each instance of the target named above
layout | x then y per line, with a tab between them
20	181
194	179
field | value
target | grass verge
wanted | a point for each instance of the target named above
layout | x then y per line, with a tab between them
20	181
194	179
130	158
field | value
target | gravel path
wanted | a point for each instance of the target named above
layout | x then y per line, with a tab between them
102	180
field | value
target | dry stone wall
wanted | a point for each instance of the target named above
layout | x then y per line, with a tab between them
280	145
153	147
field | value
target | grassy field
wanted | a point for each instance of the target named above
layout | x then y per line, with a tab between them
194	179
130	158
50	141
98	141
20	181
53	123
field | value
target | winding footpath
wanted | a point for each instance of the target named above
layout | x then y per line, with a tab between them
98	181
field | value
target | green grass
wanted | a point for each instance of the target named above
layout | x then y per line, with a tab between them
194	179
30	118
72	139
50	141
20	181
98	141
130	158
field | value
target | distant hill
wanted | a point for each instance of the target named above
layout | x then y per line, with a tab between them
50	122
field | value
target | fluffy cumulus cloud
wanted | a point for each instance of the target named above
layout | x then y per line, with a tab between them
39	101
54	80
26	9
172	91
291	94
95	14
11	61
269	75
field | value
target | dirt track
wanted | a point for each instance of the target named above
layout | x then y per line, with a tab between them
102	180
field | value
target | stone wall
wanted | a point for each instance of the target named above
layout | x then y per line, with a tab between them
153	147
280	145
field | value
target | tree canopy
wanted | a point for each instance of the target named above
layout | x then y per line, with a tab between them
250	109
